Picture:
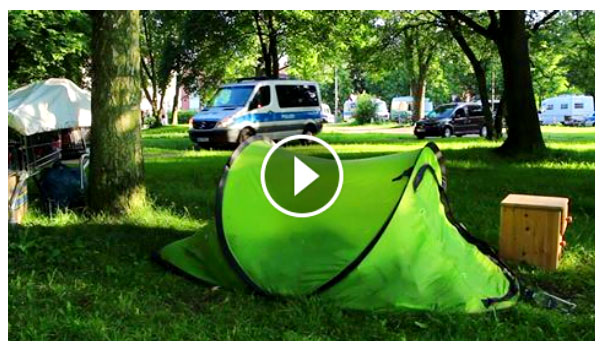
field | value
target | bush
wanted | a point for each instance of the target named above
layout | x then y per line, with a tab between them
185	115
366	109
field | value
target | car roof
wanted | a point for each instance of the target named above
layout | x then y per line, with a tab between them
253	82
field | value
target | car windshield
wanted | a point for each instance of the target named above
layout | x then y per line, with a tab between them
232	96
441	112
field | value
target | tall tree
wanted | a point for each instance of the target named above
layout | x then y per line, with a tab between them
193	49
479	69
116	165
574	33
509	31
415	40
153	41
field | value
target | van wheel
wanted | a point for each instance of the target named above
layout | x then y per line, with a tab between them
309	130
245	134
447	132
483	131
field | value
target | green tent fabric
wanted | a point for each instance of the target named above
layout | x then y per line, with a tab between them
389	242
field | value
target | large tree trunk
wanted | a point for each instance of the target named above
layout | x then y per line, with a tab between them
116	166
175	101
418	90
272	47
266	59
523	130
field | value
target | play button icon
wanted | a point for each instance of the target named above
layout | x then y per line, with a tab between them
301	181
303	176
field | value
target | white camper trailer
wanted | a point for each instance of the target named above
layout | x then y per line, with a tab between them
402	107
567	109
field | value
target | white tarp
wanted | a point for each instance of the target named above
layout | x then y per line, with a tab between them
50	105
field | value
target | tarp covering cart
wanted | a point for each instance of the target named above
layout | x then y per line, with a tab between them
389	242
47	121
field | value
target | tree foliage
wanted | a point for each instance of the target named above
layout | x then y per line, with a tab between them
46	44
383	53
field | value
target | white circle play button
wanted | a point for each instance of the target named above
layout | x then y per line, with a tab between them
298	184
303	176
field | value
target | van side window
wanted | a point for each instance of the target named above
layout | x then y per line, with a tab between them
262	98
460	112
563	106
475	110
294	96
578	105
550	107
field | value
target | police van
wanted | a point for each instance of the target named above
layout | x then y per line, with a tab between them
275	108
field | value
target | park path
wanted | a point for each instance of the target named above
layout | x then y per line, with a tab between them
369	129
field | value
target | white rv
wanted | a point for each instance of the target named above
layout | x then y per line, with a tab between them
567	109
402	107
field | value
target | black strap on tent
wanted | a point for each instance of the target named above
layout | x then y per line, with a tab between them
352	265
441	162
406	173
482	246
226	251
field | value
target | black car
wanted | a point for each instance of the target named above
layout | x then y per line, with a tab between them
452	119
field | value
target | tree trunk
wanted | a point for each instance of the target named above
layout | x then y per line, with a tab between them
266	60
480	75
175	101
272	48
498	124
116	164
523	130
418	89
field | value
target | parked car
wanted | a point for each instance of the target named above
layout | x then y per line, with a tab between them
328	117
590	121
452	119
276	109
567	109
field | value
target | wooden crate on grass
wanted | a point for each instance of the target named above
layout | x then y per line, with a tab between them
532	229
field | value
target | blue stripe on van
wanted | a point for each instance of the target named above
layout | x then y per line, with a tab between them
279	116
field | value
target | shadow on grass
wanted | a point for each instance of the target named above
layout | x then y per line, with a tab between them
96	280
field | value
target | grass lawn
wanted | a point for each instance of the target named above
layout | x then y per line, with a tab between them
90	278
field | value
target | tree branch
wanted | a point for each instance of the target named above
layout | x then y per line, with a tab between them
485	32
544	20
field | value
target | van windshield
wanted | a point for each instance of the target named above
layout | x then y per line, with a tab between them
232	96
441	112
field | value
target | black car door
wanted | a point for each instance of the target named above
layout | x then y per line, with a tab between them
475	119
460	120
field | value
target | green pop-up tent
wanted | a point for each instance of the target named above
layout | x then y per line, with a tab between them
389	241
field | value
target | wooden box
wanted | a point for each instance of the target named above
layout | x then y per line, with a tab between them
532	229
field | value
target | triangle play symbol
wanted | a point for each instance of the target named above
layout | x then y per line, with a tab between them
303	176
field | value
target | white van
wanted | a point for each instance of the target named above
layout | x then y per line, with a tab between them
276	109
381	111
350	106
567	109
402	107
328	117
